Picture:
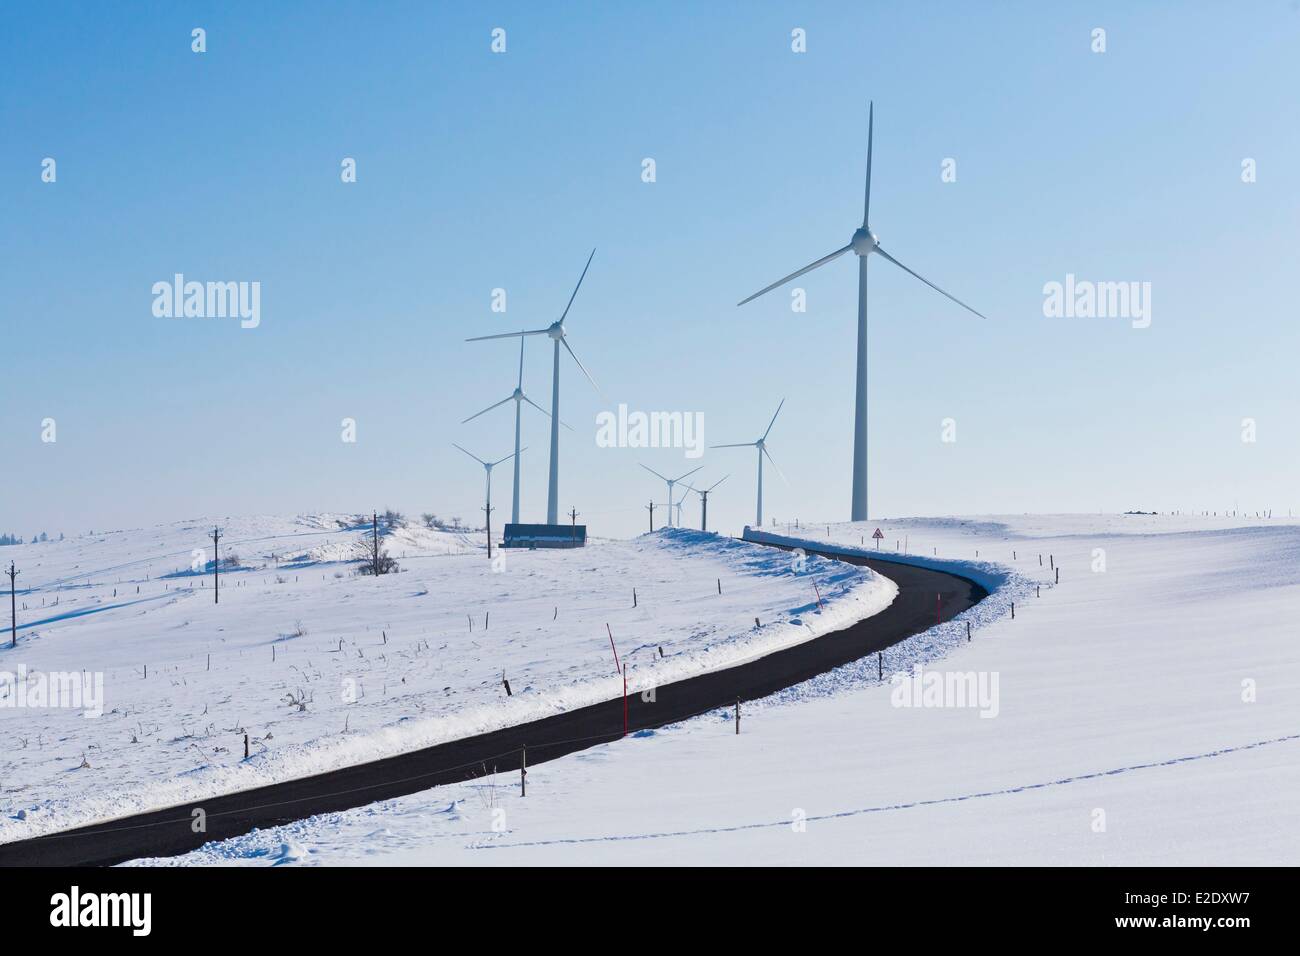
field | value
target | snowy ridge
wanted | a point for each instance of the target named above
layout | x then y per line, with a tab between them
1157	684
175	735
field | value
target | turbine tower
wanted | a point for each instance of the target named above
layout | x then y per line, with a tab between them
557	333
671	482
761	445
863	244
487	505
704	501
518	397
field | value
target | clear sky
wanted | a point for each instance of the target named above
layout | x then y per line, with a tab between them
479	170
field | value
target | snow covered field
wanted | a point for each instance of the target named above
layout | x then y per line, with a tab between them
1148	713
324	668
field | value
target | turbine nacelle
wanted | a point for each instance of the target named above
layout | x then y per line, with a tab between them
556	330
864	242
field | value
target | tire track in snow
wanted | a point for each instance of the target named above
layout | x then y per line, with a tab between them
884	808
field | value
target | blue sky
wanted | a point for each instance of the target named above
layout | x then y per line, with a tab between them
479	170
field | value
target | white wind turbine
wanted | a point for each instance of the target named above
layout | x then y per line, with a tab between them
487	505
518	397
681	501
556	331
761	445
671	482
863	244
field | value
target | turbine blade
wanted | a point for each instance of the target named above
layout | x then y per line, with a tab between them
929	283
718	482
653	472
773	421
472	455
546	413
794	275
508	457
775	465
577	287
488	409
508	335
866	203
569	348
689	473
520	386
740	444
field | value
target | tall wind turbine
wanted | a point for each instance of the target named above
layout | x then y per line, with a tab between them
518	397
863	244
761	445
487	505
671	482
557	333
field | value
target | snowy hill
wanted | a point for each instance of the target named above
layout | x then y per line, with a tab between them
1149	714
322	667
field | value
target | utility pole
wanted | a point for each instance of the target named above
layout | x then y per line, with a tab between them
216	566
573	517
651	506
374	530
13	606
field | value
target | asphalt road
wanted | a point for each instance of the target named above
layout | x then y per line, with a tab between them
168	832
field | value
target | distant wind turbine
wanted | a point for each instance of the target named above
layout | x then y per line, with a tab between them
518	397
761	445
557	333
704	501
680	501
671	482
487	505
863	244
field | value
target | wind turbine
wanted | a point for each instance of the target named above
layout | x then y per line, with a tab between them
704	501
761	445
681	501
557	333
863	244
487	507
518	397
671	482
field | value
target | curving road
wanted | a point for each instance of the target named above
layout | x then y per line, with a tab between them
168	832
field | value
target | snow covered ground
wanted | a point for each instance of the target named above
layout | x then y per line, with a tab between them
324	668
1148	712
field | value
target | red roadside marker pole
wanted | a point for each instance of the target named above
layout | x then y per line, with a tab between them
617	666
